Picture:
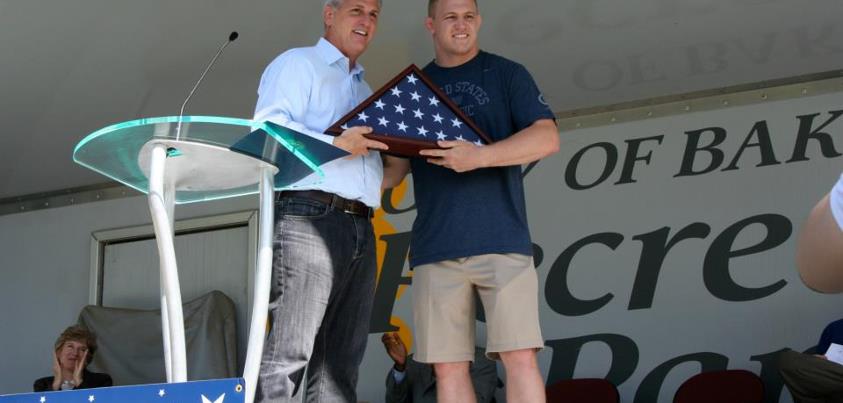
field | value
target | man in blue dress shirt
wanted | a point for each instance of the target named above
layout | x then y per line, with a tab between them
324	261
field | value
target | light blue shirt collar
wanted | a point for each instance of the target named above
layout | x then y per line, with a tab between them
331	55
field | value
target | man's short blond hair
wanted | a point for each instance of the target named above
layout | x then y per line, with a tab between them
431	4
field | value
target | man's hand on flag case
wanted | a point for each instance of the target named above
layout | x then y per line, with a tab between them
352	140
459	156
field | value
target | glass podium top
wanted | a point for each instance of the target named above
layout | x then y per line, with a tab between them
208	157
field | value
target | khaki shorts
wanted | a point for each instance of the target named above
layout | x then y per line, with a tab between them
444	311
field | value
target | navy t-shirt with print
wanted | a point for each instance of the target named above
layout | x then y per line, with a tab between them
480	211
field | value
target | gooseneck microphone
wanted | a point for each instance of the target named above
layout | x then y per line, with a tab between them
231	37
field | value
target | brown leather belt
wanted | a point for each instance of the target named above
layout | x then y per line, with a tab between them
345	205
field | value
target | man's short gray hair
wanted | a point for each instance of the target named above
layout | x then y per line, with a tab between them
338	3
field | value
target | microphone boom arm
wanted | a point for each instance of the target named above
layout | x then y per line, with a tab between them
231	38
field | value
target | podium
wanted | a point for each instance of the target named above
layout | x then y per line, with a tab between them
189	159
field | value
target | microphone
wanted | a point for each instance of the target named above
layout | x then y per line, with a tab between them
231	37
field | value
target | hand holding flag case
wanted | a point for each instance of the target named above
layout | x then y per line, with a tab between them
410	113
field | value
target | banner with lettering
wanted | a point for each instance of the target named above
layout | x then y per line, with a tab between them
664	247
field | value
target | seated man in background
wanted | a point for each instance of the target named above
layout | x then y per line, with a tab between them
413	382
74	350
813	378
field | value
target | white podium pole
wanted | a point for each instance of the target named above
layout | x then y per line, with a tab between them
164	175
161	202
263	274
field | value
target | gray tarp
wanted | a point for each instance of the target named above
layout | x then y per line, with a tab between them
131	350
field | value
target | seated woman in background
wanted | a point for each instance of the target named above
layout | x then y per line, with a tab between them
74	350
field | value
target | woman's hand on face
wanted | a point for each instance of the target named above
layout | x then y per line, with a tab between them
80	366
56	372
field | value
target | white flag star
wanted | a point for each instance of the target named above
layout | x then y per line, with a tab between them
91	398
415	95
478	142
456	122
43	399
396	92
433	101
344	126
382	121
460	138
418	113
161	392
219	399
402	127
437	118
412	79
441	136
399	109
379	104
422	131
362	116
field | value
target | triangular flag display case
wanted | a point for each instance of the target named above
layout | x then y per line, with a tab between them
410	113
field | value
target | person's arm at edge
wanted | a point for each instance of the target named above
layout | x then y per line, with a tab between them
819	252
397	392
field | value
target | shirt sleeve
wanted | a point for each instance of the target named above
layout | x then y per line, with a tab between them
284	93
525	100
397	390
835	200
398	375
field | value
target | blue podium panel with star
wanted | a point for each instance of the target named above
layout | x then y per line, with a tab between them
213	391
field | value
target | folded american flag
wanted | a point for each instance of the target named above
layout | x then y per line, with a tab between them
409	114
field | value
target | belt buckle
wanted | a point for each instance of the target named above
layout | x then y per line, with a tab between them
340	204
347	208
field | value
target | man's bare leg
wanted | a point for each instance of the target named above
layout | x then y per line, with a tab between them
453	383
524	383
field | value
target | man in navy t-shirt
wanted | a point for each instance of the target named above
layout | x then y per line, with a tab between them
471	229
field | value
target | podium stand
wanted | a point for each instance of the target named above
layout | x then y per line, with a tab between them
177	160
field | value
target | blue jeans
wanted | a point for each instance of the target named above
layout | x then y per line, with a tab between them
323	282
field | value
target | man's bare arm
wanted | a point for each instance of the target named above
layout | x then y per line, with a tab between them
530	144
819	253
